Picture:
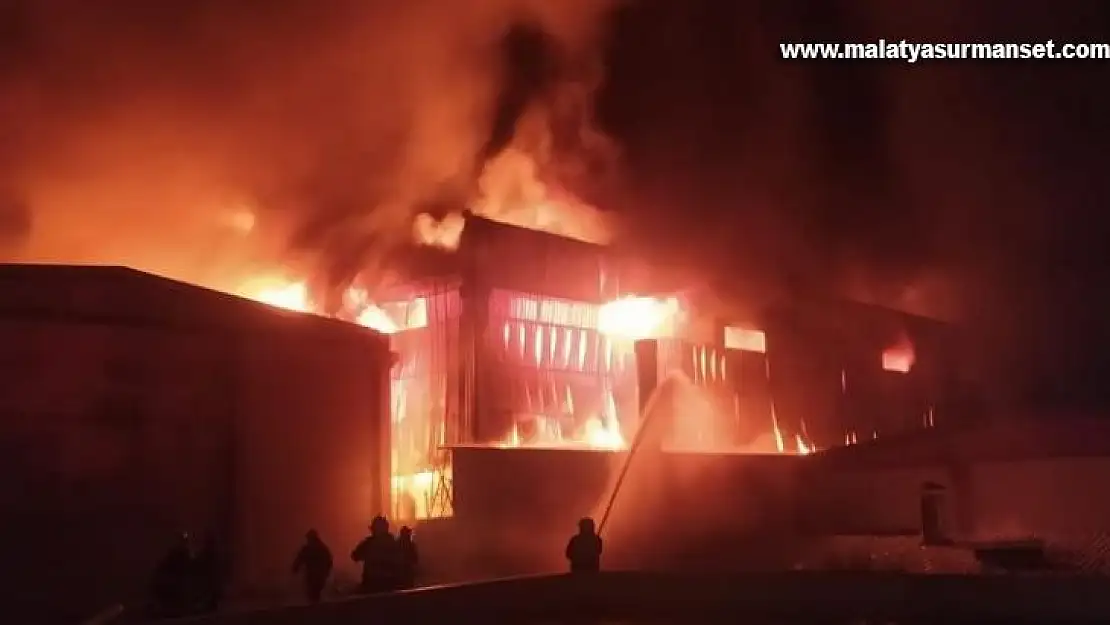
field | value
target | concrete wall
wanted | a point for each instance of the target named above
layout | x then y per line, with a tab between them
1050	497
866	501
527	501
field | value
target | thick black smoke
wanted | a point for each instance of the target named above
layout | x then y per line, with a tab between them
963	188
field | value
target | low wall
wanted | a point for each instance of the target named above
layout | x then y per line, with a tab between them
987	500
677	598
526	502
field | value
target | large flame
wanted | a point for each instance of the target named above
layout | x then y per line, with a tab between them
295	296
416	488
638	317
510	191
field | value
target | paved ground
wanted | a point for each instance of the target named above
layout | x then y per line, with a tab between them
674	599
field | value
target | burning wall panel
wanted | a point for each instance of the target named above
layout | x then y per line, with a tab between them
426	399
850	372
703	401
551	376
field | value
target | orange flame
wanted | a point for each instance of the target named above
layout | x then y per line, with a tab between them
510	191
295	296
625	318
290	296
638	317
900	357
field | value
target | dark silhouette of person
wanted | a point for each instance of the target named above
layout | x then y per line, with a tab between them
173	577
210	574
314	558
380	556
584	548
410	558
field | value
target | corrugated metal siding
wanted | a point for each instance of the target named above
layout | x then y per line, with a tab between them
708	419
313	449
114	439
517	258
426	394
120	295
545	358
117	424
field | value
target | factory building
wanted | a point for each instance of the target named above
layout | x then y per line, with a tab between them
509	388
135	408
522	339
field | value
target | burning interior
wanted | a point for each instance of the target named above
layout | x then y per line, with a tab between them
520	338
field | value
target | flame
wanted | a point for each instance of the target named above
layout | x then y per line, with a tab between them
595	434
510	190
899	358
290	295
416	488
802	448
444	233
417	492
295	296
638	317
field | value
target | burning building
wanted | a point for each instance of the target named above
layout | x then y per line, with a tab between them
520	339
520	366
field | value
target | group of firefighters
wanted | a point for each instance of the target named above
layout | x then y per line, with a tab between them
190	581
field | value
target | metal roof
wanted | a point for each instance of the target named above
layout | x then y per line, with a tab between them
123	295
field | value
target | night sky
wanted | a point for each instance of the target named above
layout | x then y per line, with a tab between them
988	174
967	189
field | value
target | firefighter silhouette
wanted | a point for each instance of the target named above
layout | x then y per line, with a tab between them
410	558
380	556
172	587
210	574
315	561
584	548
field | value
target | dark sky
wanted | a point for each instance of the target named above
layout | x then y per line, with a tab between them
992	173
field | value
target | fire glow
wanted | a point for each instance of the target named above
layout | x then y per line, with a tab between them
540	333
358	308
900	357
637	317
511	192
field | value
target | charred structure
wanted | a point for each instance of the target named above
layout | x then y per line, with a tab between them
517	340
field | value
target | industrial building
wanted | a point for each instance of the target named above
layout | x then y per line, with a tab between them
135	408
508	342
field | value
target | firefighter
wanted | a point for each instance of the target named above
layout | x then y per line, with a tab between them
314	558
210	573
173	577
380	556
584	548
410	559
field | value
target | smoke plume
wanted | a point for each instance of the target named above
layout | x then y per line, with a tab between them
207	140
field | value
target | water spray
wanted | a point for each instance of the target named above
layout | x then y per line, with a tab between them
647	418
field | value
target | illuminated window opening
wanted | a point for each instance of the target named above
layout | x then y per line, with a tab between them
745	339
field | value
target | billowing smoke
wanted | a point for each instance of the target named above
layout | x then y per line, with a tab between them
208	140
